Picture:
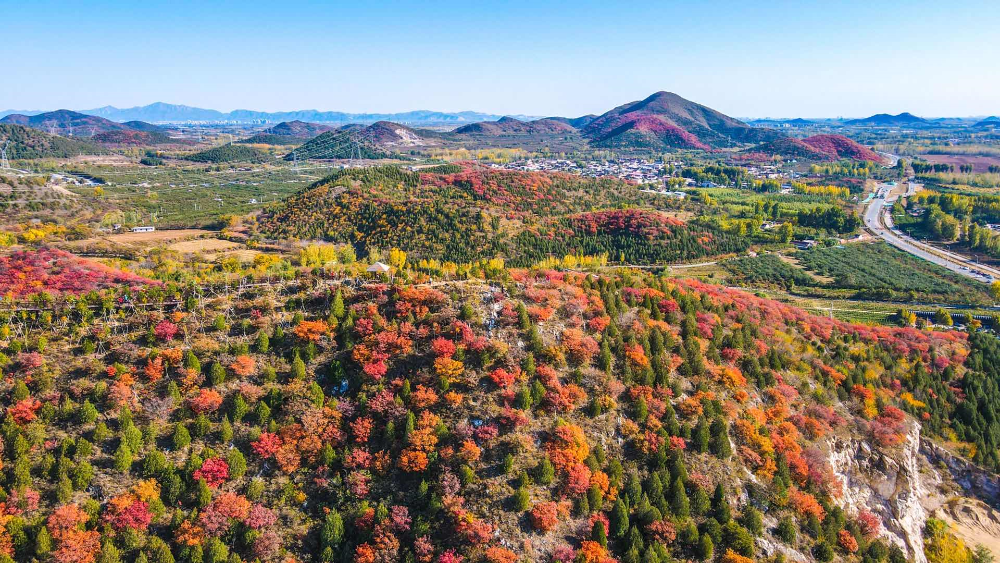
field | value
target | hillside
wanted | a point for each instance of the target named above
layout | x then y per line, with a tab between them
27	143
288	133
476	212
59	273
143	126
298	129
575	122
495	416
386	134
817	147
666	120
887	120
839	147
789	147
66	123
992	121
132	137
349	142
230	153
511	126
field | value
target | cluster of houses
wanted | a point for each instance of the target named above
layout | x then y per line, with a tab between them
638	170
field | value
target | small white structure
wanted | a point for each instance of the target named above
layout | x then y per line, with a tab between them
378	268
143	229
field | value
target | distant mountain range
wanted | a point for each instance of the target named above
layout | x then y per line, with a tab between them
662	121
512	126
160	112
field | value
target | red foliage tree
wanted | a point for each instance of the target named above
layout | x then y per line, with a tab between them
442	347
869	523
207	400
503	378
24	410
165	330
545	516
847	541
128	512
266	445
214	470
243	366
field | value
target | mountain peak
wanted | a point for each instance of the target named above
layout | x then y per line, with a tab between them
667	120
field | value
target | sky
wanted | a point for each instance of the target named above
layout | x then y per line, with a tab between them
801	58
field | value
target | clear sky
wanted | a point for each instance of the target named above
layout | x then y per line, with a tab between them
745	58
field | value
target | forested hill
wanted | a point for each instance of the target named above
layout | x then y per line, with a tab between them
27	143
230	153
509	415
469	212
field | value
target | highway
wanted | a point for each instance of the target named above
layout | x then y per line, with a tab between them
878	220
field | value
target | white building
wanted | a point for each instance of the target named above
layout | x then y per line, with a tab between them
143	229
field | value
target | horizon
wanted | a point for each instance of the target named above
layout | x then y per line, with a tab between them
13	111
514	58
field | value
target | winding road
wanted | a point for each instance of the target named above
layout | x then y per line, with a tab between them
878	220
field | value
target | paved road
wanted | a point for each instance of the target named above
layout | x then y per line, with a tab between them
878	220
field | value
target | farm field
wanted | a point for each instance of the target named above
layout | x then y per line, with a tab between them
175	196
869	271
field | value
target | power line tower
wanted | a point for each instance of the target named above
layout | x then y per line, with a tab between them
4	163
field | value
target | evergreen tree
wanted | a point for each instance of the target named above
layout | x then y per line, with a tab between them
43	542
700	503
705	547
298	367
332	533
545	472
598	534
720	445
263	343
701	437
216	374
720	505
337	309
123	458
619	520
679	504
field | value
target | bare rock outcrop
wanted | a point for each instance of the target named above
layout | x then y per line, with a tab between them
887	482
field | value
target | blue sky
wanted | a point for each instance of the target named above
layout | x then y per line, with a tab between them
747	59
